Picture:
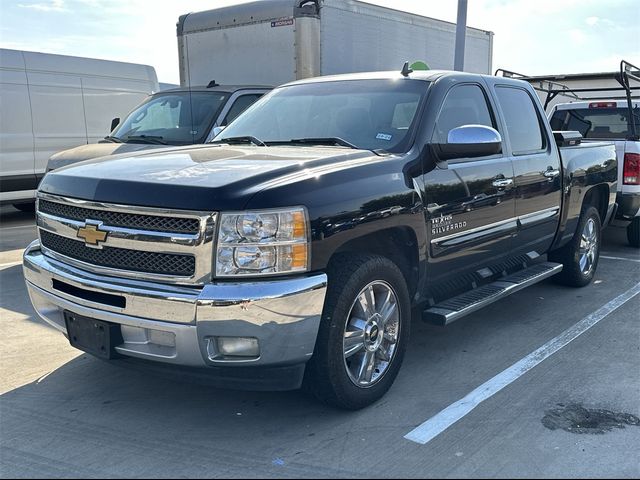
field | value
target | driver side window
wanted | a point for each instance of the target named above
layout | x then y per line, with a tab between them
463	105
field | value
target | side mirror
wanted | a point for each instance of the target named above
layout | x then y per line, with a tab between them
217	130
114	123
469	141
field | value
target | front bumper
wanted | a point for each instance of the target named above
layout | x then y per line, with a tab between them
178	325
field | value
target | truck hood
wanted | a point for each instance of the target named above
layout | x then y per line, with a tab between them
203	177
94	150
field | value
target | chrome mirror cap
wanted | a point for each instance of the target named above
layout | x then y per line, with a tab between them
473	134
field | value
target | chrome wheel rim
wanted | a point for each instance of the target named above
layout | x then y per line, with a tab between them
371	334
588	247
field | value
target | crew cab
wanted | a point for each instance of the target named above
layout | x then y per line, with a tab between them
172	117
292	249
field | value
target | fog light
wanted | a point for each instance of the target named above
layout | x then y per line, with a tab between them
235	347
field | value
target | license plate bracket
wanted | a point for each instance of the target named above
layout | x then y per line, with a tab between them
93	336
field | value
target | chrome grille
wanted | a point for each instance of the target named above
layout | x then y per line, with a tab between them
146	243
120	219
120	258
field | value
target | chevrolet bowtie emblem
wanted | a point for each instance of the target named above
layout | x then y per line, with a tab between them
92	235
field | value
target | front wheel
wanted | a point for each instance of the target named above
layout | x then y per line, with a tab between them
363	332
580	256
633	233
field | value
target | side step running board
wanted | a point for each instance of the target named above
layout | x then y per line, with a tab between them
468	302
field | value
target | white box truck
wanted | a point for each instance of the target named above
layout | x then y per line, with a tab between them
277	41
52	102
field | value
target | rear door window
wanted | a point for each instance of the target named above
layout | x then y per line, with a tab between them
522	121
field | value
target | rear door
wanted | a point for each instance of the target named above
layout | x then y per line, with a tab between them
471	203
58	114
16	129
537	169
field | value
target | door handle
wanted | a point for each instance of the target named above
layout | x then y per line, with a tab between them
502	182
551	173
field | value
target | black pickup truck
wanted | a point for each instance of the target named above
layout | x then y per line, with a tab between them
293	249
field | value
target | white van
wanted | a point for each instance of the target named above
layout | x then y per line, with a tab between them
50	103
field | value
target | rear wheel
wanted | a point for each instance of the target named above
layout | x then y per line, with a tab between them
633	233
363	333
580	256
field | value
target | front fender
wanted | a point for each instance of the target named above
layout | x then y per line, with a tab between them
353	202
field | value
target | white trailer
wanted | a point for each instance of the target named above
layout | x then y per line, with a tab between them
277	41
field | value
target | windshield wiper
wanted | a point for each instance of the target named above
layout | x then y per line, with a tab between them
243	139
329	141
111	139
322	141
154	139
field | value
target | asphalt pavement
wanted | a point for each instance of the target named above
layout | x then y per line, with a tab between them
573	415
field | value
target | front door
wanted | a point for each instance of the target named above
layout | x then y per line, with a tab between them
471	203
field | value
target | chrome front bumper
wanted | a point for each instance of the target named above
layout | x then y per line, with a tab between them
177	325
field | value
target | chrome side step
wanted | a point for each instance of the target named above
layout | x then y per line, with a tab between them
468	302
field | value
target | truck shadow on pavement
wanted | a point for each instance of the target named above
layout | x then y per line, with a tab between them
11	214
92	418
89	413
14	296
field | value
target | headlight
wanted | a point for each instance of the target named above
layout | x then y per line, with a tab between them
262	243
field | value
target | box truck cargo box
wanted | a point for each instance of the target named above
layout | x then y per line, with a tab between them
277	41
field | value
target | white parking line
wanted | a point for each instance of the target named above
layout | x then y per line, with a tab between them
19	226
10	264
454	412
607	257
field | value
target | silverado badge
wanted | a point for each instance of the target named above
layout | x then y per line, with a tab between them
91	234
445	223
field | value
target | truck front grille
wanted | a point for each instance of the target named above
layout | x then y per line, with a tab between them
144	243
120	258
120	219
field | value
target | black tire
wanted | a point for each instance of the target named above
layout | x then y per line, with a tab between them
326	374
633	233
26	207
573	273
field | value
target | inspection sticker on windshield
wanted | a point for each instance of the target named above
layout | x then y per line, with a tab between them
383	136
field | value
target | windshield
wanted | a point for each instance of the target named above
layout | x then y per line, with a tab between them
369	114
168	118
601	123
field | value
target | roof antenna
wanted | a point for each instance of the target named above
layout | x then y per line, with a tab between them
406	70
212	84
